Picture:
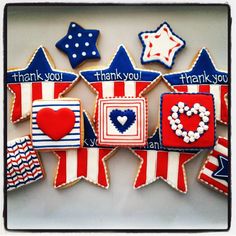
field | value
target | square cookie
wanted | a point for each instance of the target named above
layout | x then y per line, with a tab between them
23	164
122	122
56	124
187	120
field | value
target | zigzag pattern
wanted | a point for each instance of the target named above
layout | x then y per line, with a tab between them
23	166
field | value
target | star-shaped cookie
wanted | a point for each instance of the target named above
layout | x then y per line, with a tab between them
87	162
79	44
37	81
160	45
157	163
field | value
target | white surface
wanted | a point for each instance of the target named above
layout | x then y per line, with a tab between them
85	206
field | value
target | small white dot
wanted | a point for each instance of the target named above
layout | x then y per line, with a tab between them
93	52
74	56
76	45
73	25
67	46
90	35
86	44
83	53
70	37
79	34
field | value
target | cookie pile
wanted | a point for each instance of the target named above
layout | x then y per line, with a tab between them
188	114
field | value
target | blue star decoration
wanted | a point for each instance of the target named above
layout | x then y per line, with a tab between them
120	70
222	172
38	80
203	77
160	45
79	44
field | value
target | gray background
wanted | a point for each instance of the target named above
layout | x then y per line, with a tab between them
86	206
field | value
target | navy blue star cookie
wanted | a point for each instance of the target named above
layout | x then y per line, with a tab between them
79	44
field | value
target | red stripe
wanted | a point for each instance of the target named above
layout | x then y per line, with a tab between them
181	88
98	87
20	158
16	113
216	153
140	86
223	142
61	172
162	164
204	88
119	89
60	88
215	183
141	179
82	154
101	169
36	91
211	166
224	108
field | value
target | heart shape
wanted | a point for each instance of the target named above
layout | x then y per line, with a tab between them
122	120
177	126
56	124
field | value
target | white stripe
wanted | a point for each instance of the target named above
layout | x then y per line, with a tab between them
222	149
151	166
26	98
130	88
215	90
213	160
92	164
47	90
71	165
108	89
209	174
193	88
173	168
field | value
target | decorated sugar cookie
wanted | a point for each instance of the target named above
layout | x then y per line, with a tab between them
158	163
120	79
187	120
23	164
79	44
37	81
122	121
160	45
215	171
203	77
56	124
87	162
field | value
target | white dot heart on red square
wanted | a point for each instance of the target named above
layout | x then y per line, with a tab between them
187	120
56	124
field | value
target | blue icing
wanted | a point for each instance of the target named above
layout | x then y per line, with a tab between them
203	72
222	172
120	69
39	70
128	115
156	60
79	44
90	139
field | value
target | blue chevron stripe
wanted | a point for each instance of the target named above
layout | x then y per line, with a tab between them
18	143
18	166
24	173
12	186
11	155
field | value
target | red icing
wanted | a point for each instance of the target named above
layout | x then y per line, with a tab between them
169	138
56	124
